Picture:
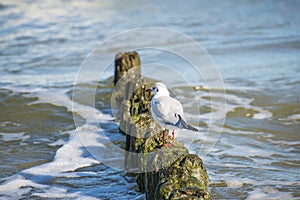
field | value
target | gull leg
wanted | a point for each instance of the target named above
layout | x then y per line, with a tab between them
173	137
164	137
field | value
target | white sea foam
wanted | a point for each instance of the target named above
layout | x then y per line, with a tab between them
67	158
205	140
58	142
39	79
295	118
268	193
9	123
234	184
16	186
235	101
14	136
263	114
71	156
62	193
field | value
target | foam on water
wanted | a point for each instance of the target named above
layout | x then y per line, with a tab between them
40	79
198	142
258	59
268	193
16	186
62	193
14	136
67	159
295	118
72	156
234	184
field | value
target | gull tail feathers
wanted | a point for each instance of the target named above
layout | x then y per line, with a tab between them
185	125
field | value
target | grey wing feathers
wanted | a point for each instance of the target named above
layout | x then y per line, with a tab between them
167	109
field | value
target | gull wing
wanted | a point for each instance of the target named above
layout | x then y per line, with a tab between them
166	109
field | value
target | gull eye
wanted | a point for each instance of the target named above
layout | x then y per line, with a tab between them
156	89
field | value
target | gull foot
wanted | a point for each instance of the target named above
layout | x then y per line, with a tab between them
168	145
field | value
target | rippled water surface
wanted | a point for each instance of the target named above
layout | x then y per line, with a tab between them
255	46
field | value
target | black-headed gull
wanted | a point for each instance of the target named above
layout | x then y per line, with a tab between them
167	111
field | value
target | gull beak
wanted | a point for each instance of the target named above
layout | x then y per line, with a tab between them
149	90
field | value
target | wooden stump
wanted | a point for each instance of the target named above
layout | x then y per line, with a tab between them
170	173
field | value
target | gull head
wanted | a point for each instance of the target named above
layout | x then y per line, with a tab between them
160	89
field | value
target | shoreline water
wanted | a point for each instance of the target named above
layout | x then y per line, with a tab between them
255	46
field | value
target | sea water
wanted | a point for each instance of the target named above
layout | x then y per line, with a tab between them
255	48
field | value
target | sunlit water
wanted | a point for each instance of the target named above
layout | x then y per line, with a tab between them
255	46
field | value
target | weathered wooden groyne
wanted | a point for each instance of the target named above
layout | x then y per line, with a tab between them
162	172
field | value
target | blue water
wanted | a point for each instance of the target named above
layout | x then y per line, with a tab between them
254	45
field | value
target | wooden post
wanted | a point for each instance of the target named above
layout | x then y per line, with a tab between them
164	173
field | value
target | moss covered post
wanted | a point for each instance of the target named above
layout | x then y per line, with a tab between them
163	172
